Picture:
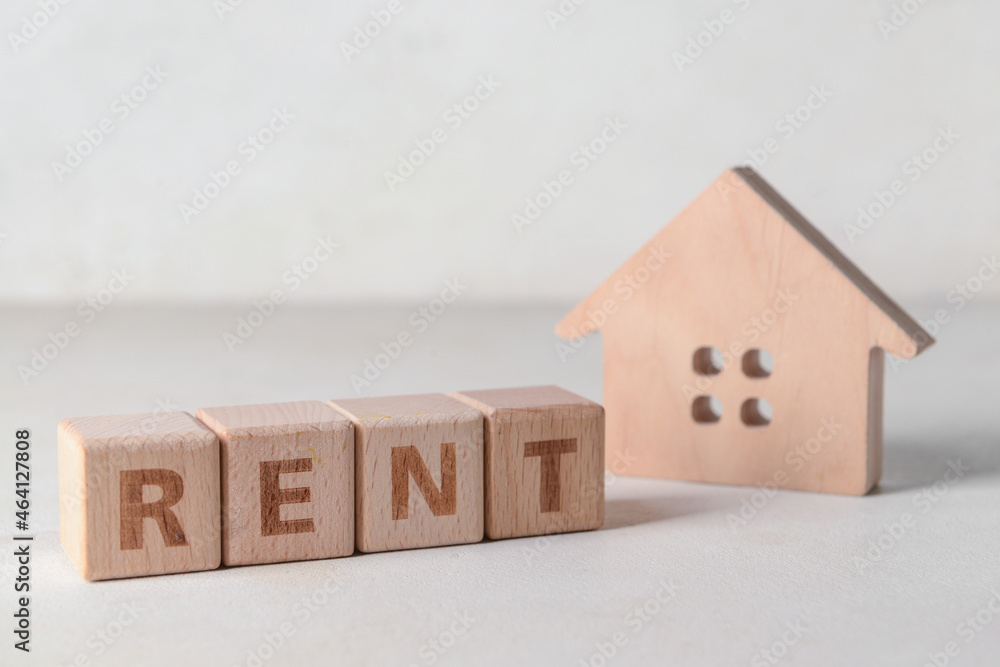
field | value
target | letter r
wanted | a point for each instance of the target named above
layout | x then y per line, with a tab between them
133	510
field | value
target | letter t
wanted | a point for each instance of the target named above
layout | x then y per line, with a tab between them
549	451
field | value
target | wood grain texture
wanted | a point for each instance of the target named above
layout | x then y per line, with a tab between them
544	460
419	471
740	269
139	495
287	481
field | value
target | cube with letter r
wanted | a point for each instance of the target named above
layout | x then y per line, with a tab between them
139	495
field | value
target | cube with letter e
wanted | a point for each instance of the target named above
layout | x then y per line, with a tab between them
139	494
544	458
287	481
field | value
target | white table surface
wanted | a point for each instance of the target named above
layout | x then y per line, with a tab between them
803	561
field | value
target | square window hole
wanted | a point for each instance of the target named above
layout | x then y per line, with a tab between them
756	412
758	363
706	409
708	361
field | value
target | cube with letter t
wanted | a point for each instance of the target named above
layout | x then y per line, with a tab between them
287	481
419	471
544	454
139	495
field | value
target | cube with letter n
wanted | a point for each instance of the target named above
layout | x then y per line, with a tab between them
139	494
544	459
287	481
419	472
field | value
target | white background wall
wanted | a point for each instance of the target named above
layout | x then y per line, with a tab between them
324	174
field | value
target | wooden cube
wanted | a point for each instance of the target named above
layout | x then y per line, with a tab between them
138	495
287	481
419	471
544	460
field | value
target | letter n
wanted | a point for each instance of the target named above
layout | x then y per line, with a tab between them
407	462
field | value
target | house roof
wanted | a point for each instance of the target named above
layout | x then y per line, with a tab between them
911	339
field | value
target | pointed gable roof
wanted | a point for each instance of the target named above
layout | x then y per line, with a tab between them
905	337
